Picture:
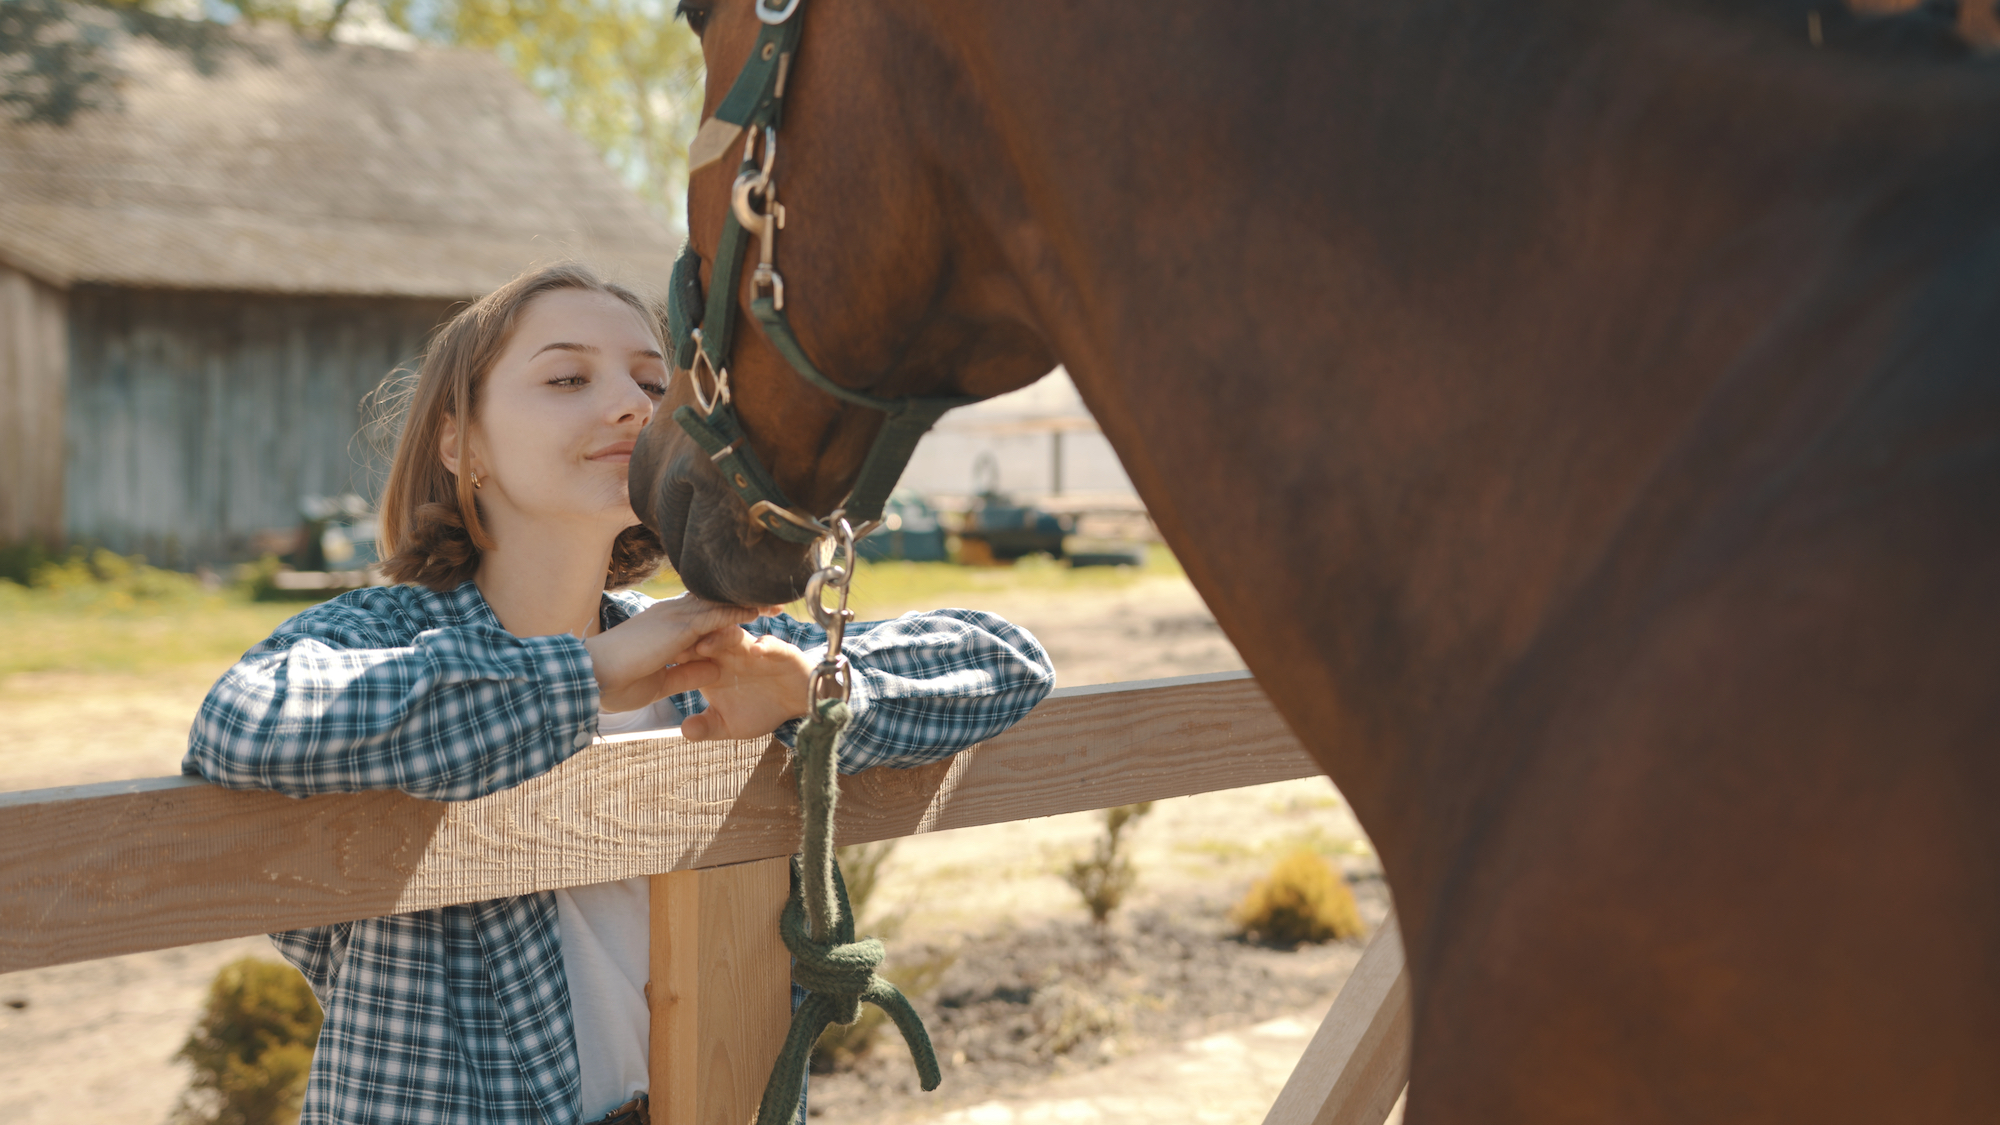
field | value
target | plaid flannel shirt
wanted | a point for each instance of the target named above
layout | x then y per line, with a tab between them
461	1014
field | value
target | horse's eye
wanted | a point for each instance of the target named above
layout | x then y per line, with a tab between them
696	15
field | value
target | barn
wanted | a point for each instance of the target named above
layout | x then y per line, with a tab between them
203	278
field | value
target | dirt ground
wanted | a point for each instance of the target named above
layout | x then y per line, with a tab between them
1176	1014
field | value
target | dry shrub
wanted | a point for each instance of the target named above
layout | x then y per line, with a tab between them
1104	878
251	1048
1067	1017
1302	900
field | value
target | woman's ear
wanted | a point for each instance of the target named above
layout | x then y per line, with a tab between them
448	444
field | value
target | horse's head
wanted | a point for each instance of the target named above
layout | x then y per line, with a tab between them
890	284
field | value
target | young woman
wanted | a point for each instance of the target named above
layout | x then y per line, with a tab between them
503	651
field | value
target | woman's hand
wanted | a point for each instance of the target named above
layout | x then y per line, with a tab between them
760	682
646	656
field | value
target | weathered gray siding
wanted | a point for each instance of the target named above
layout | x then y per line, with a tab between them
33	355
198	420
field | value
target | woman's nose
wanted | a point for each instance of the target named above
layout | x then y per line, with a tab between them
632	403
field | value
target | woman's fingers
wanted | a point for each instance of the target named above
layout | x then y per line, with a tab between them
722	643
705	727
690	676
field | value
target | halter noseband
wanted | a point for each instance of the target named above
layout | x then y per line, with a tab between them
702	332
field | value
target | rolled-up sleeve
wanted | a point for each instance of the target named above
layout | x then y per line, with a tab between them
926	685
324	706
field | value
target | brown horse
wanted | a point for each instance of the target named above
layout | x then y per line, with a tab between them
1584	415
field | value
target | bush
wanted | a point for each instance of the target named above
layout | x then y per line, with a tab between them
99	580
20	560
1104	878
251	1048
1302	900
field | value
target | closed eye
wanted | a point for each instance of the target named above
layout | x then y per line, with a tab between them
569	381
695	14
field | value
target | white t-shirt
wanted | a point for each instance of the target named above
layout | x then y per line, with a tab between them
606	936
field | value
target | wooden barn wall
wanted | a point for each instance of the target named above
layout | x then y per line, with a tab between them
33	358
198	421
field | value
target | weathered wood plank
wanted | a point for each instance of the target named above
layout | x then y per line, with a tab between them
720	991
198	421
34	380
100	870
1359	1061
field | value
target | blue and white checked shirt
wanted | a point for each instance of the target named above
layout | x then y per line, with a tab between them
461	1015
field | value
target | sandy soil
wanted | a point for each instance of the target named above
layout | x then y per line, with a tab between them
96	1039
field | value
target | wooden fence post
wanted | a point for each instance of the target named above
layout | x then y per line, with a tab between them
1359	1061
720	991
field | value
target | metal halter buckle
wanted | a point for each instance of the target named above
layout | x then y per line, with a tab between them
834	670
764	224
707	404
768	15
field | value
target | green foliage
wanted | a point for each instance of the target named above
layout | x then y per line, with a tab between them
54	57
251	1048
624	74
96	611
1304	899
889	587
19	561
101	580
1104	879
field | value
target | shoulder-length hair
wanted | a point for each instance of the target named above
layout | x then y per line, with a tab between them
431	532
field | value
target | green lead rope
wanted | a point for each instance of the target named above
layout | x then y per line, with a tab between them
818	927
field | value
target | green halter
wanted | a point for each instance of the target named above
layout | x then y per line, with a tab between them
702	332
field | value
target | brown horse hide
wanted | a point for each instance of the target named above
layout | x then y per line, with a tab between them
1584	417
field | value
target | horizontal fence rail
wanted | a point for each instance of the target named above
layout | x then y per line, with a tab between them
93	871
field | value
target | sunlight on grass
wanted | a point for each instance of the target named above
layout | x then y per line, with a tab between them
885	589
105	614
55	634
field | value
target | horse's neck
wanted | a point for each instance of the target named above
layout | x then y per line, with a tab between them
1404	315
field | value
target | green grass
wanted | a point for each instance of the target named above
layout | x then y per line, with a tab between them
106	614
885	589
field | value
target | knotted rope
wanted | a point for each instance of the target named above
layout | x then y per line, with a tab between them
818	927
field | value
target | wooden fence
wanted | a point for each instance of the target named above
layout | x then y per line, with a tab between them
97	870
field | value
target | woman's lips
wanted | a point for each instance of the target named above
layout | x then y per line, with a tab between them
619	453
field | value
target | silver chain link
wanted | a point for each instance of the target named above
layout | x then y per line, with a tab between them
834	670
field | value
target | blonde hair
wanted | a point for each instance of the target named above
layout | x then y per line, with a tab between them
431	532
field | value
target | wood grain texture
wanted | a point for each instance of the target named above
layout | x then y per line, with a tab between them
94	871
1359	1061
720	991
196	422
34	380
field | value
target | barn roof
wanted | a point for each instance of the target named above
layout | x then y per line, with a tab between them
310	167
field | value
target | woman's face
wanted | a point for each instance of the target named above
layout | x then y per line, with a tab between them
557	415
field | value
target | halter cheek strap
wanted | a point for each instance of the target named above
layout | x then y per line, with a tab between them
703	331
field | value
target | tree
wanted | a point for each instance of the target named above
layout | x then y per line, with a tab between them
623	74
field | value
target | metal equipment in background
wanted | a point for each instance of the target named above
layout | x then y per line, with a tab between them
910	530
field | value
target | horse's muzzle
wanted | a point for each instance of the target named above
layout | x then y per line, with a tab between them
718	551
